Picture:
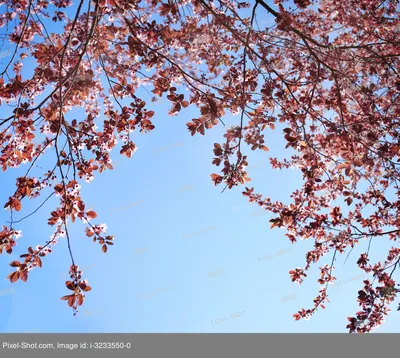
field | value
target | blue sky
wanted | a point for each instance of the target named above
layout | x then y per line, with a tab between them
187	258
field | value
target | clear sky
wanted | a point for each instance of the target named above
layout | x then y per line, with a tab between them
187	258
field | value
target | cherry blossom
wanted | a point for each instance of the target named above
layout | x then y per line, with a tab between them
322	74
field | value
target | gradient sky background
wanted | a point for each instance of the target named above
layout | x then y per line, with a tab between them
186	256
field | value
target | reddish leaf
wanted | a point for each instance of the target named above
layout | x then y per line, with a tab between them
23	275
91	214
38	261
71	300
70	285
59	188
14	276
216	178
89	232
17	205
